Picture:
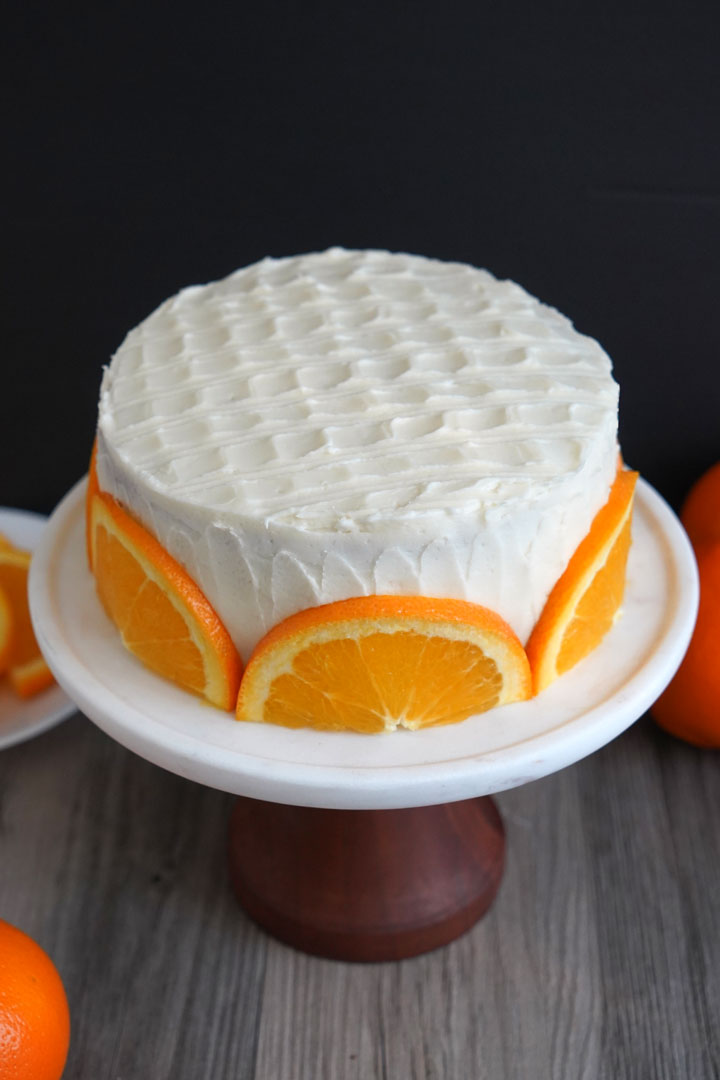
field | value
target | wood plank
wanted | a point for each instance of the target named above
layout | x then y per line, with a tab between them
600	958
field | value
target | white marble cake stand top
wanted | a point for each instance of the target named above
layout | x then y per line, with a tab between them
502	748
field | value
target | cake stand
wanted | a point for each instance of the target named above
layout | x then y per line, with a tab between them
353	846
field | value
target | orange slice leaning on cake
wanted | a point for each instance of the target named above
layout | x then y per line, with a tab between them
162	616
376	663
587	598
384	486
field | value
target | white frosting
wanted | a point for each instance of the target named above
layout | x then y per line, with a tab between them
355	422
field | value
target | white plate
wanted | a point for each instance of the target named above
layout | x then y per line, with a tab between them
19	719
502	748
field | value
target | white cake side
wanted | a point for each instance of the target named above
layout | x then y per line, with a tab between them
356	422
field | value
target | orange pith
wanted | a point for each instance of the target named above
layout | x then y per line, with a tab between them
163	617
586	599
20	656
34	1014
374	663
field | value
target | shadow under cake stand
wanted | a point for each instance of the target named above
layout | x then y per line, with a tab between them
352	846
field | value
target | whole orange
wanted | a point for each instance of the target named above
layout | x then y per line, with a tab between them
34	1014
700	512
690	707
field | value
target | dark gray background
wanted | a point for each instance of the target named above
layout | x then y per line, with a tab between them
574	148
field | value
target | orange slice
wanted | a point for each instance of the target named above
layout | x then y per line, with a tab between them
6	630
163	617
20	656
586	599
30	678
14	566
375	663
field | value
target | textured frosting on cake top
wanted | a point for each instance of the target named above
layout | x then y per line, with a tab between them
352	422
327	390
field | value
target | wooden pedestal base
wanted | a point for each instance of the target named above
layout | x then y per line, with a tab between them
366	884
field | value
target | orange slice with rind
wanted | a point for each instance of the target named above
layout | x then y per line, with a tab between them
376	663
6	630
31	678
587	598
163	617
14	567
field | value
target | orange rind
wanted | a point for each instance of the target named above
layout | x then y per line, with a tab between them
34	1012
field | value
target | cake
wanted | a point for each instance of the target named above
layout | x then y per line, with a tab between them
348	423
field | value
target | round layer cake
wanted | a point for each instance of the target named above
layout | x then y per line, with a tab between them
352	422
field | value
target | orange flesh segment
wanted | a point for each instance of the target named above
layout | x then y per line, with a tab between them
163	617
375	663
586	599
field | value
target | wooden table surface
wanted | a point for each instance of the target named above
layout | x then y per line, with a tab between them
600	958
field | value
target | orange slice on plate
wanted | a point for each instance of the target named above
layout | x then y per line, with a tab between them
375	663
163	617
19	654
586	599
31	678
92	489
14	567
6	630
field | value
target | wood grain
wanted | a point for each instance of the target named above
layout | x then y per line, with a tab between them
366	885
599	959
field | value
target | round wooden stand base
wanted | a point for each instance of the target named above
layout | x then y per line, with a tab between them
366	885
